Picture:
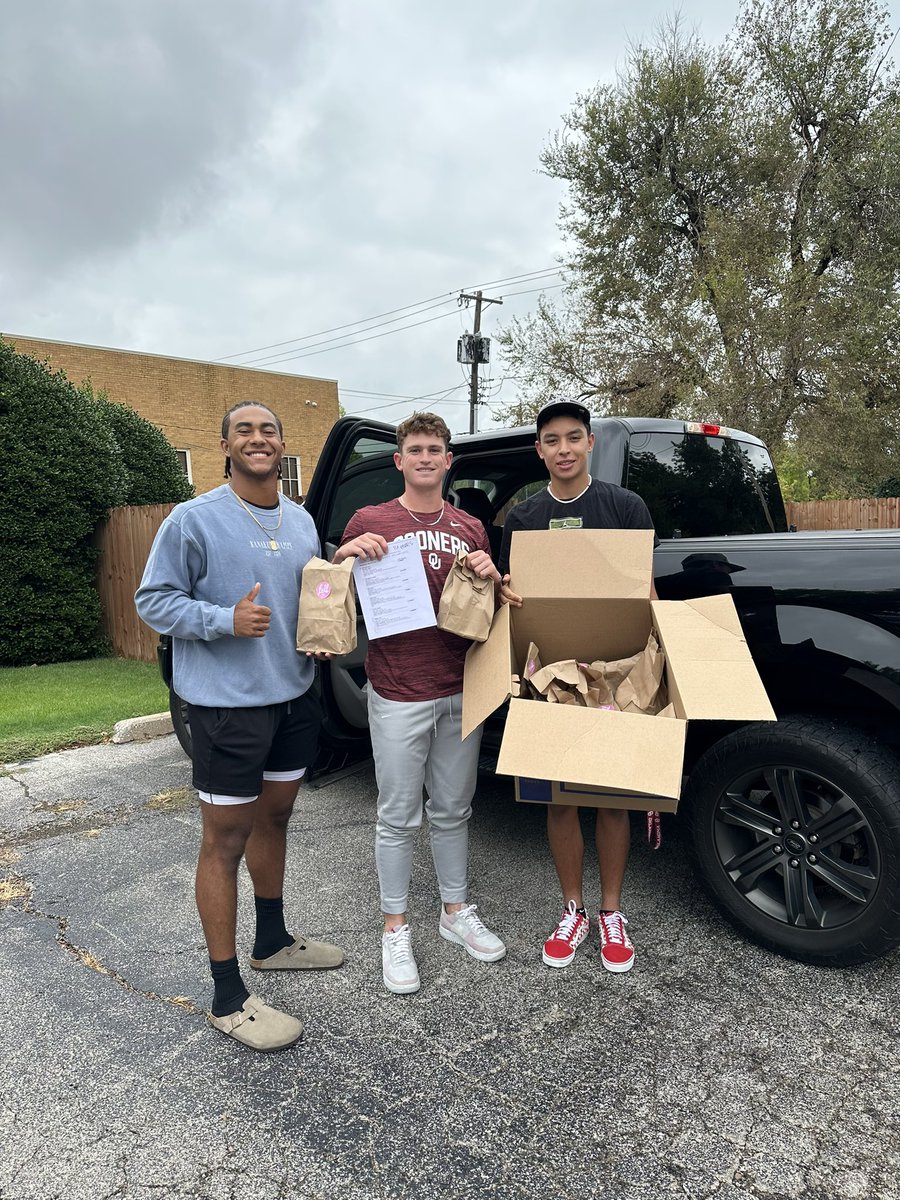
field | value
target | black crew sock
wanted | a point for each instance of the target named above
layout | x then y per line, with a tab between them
582	912
271	934
230	992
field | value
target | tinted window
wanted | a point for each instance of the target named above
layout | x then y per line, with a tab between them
705	486
370	477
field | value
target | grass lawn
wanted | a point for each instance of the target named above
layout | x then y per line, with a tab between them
73	704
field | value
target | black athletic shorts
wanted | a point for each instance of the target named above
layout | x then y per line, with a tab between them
232	747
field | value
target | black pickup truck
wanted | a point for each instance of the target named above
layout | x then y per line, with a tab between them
796	824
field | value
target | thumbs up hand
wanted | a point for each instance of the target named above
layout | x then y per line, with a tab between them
251	619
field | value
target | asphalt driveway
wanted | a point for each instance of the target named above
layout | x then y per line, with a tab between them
713	1069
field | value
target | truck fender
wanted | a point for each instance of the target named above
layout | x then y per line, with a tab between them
873	652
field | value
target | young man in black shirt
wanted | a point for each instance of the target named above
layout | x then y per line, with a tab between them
573	500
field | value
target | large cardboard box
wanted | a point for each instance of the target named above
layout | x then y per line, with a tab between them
586	597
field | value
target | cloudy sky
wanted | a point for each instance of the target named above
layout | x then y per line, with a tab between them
244	179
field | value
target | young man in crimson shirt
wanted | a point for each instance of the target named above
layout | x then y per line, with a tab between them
415	707
564	442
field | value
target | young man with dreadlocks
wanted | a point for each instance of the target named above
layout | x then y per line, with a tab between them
415	707
223	580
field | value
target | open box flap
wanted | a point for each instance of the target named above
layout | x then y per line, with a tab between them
488	673
582	564
708	659
589	746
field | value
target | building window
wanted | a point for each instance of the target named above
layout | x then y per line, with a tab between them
290	477
184	461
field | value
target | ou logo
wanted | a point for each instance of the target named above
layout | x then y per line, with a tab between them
434	561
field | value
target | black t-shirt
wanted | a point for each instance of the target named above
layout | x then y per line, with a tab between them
602	506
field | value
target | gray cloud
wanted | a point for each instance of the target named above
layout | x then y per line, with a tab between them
200	177
114	117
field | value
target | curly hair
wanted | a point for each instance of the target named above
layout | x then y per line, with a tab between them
423	422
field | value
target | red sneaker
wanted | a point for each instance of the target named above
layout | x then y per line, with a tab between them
560	946
616	950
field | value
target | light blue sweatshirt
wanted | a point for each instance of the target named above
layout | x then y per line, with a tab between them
207	556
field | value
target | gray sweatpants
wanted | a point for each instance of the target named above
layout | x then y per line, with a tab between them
414	745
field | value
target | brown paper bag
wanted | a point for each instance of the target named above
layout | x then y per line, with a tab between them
327	620
564	672
531	667
467	603
643	690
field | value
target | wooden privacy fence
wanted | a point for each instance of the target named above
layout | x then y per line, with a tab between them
124	543
845	514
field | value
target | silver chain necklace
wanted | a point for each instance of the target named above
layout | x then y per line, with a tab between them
419	519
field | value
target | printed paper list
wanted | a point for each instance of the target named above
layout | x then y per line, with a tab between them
393	591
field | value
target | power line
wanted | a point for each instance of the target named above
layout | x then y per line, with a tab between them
334	328
433	301
530	291
439	397
341	337
393	395
518	278
309	353
382	407
350	340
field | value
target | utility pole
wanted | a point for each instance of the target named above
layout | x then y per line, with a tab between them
473	380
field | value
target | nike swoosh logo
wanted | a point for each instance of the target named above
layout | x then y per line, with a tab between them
456	524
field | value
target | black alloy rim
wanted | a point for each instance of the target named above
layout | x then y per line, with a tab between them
797	847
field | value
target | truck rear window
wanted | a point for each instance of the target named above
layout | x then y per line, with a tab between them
700	486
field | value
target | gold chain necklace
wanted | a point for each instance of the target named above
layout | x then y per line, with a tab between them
273	545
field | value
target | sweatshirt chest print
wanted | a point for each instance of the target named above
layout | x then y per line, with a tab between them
435	544
271	548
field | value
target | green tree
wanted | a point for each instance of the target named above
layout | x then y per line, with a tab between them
734	238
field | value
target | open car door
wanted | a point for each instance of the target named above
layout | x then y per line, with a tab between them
356	468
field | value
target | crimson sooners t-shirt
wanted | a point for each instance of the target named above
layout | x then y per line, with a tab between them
424	664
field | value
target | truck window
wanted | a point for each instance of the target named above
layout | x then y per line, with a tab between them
370	477
700	486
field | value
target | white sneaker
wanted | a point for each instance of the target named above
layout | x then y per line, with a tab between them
467	929
401	975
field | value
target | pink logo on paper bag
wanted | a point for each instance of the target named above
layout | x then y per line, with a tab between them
323	589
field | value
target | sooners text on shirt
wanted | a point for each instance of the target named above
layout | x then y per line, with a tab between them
426	663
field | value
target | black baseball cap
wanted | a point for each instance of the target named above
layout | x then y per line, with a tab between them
564	408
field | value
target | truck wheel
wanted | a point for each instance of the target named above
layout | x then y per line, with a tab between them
796	831
180	721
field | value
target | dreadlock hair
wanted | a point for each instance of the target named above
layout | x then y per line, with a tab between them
226	425
423	422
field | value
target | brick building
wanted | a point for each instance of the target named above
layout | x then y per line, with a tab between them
186	400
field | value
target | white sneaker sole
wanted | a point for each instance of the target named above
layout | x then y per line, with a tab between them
401	989
482	955
556	962
617	968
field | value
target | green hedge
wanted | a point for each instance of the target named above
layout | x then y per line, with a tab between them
153	472
68	458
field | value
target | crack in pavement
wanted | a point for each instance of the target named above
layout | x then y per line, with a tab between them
40	833
14	888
